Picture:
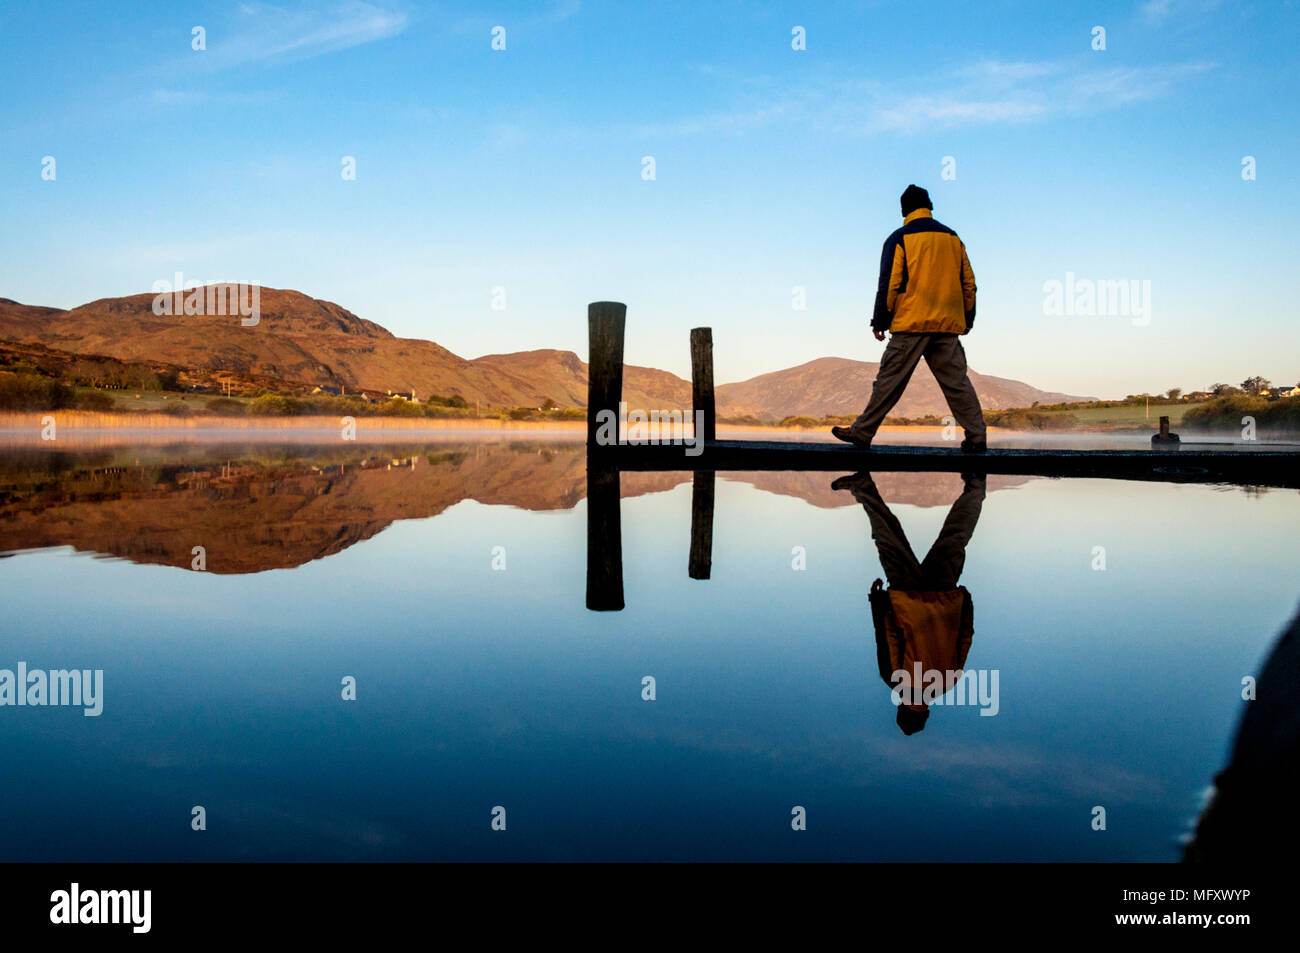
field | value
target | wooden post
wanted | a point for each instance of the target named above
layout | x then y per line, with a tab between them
605	323
702	380
604	539
1164	438
701	561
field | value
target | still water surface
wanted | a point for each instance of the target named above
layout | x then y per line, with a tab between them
449	580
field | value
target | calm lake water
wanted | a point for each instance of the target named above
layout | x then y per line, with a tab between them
449	580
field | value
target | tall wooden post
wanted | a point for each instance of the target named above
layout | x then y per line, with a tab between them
702	380
605	323
701	561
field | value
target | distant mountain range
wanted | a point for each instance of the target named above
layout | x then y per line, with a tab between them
836	385
307	341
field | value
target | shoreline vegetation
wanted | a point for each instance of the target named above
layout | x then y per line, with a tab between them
1276	418
27	422
98	393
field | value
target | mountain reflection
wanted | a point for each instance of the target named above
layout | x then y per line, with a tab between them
257	508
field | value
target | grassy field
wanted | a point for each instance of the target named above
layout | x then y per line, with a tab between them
1135	417
153	400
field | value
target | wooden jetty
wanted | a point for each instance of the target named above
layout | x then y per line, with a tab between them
1164	462
1263	468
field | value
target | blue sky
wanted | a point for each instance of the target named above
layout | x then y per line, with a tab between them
774	168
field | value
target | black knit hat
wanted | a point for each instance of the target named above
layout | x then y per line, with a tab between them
914	197
910	720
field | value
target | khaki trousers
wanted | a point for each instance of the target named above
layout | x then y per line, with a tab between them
943	564
947	360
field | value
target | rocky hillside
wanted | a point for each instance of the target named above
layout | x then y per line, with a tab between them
307	341
835	385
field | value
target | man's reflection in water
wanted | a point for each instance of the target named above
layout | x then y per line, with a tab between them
924	621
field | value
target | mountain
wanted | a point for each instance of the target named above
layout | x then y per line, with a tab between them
23	322
307	341
836	385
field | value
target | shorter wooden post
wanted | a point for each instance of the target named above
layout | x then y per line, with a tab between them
701	560
1164	438
702	381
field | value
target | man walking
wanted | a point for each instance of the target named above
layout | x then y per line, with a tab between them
926	298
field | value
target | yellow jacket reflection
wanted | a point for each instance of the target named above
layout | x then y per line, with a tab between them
922	639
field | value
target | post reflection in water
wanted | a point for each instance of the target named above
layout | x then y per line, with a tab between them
604	539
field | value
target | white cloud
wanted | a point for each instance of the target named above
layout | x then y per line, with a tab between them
1000	73
1155	11
919	111
988	92
1159	12
191	97
266	33
557	12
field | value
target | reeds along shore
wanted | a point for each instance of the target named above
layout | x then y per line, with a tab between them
26	427
95	428
111	420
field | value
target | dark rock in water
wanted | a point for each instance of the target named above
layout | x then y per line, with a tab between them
1251	815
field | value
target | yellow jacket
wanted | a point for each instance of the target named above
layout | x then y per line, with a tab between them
926	282
932	628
